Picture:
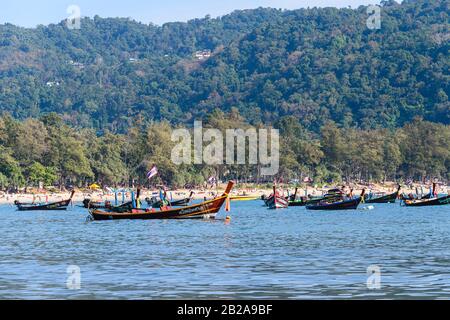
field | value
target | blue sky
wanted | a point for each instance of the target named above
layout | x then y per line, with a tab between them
30	13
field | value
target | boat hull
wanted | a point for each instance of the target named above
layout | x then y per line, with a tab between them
243	198
341	205
87	203
41	208
277	203
297	203
268	200
178	203
385	199
428	202
389	198
205	210
56	206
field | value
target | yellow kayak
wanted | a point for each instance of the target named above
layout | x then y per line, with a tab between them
244	198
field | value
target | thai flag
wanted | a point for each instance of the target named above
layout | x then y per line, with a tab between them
153	172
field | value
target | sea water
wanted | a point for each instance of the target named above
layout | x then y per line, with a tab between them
259	254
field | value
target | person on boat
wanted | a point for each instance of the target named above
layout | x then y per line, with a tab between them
435	190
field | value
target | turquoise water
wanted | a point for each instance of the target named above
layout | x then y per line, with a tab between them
286	254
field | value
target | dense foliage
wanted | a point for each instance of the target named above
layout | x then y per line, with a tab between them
316	64
49	151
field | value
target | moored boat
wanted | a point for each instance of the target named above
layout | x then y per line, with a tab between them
277	201
428	202
54	206
267	200
417	195
389	198
161	203
204	210
342	204
294	202
89	203
297	203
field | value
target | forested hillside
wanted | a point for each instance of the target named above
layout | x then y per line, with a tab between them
352	104
314	64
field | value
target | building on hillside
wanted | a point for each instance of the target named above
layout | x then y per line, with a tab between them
203	54
76	64
51	84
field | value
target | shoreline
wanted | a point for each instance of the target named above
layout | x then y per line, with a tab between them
200	194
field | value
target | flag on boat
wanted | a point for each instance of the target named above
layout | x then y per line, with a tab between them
153	172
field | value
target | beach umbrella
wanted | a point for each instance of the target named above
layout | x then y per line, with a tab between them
94	186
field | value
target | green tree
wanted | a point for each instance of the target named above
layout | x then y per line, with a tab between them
37	173
10	169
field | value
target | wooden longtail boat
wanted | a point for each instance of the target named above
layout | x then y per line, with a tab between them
88	203
60	205
304	201
297	203
349	204
411	196
313	200
127	206
179	203
267	200
204	210
417	196
277	201
389	198
334	195
294	202
428	202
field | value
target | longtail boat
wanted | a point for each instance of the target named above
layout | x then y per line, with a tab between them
269	200
412	196
135	203
294	202
204	210
88	203
60	205
277	201
389	198
161	203
434	200
428	202
313	200
343	204
297	203
266	199
418	196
